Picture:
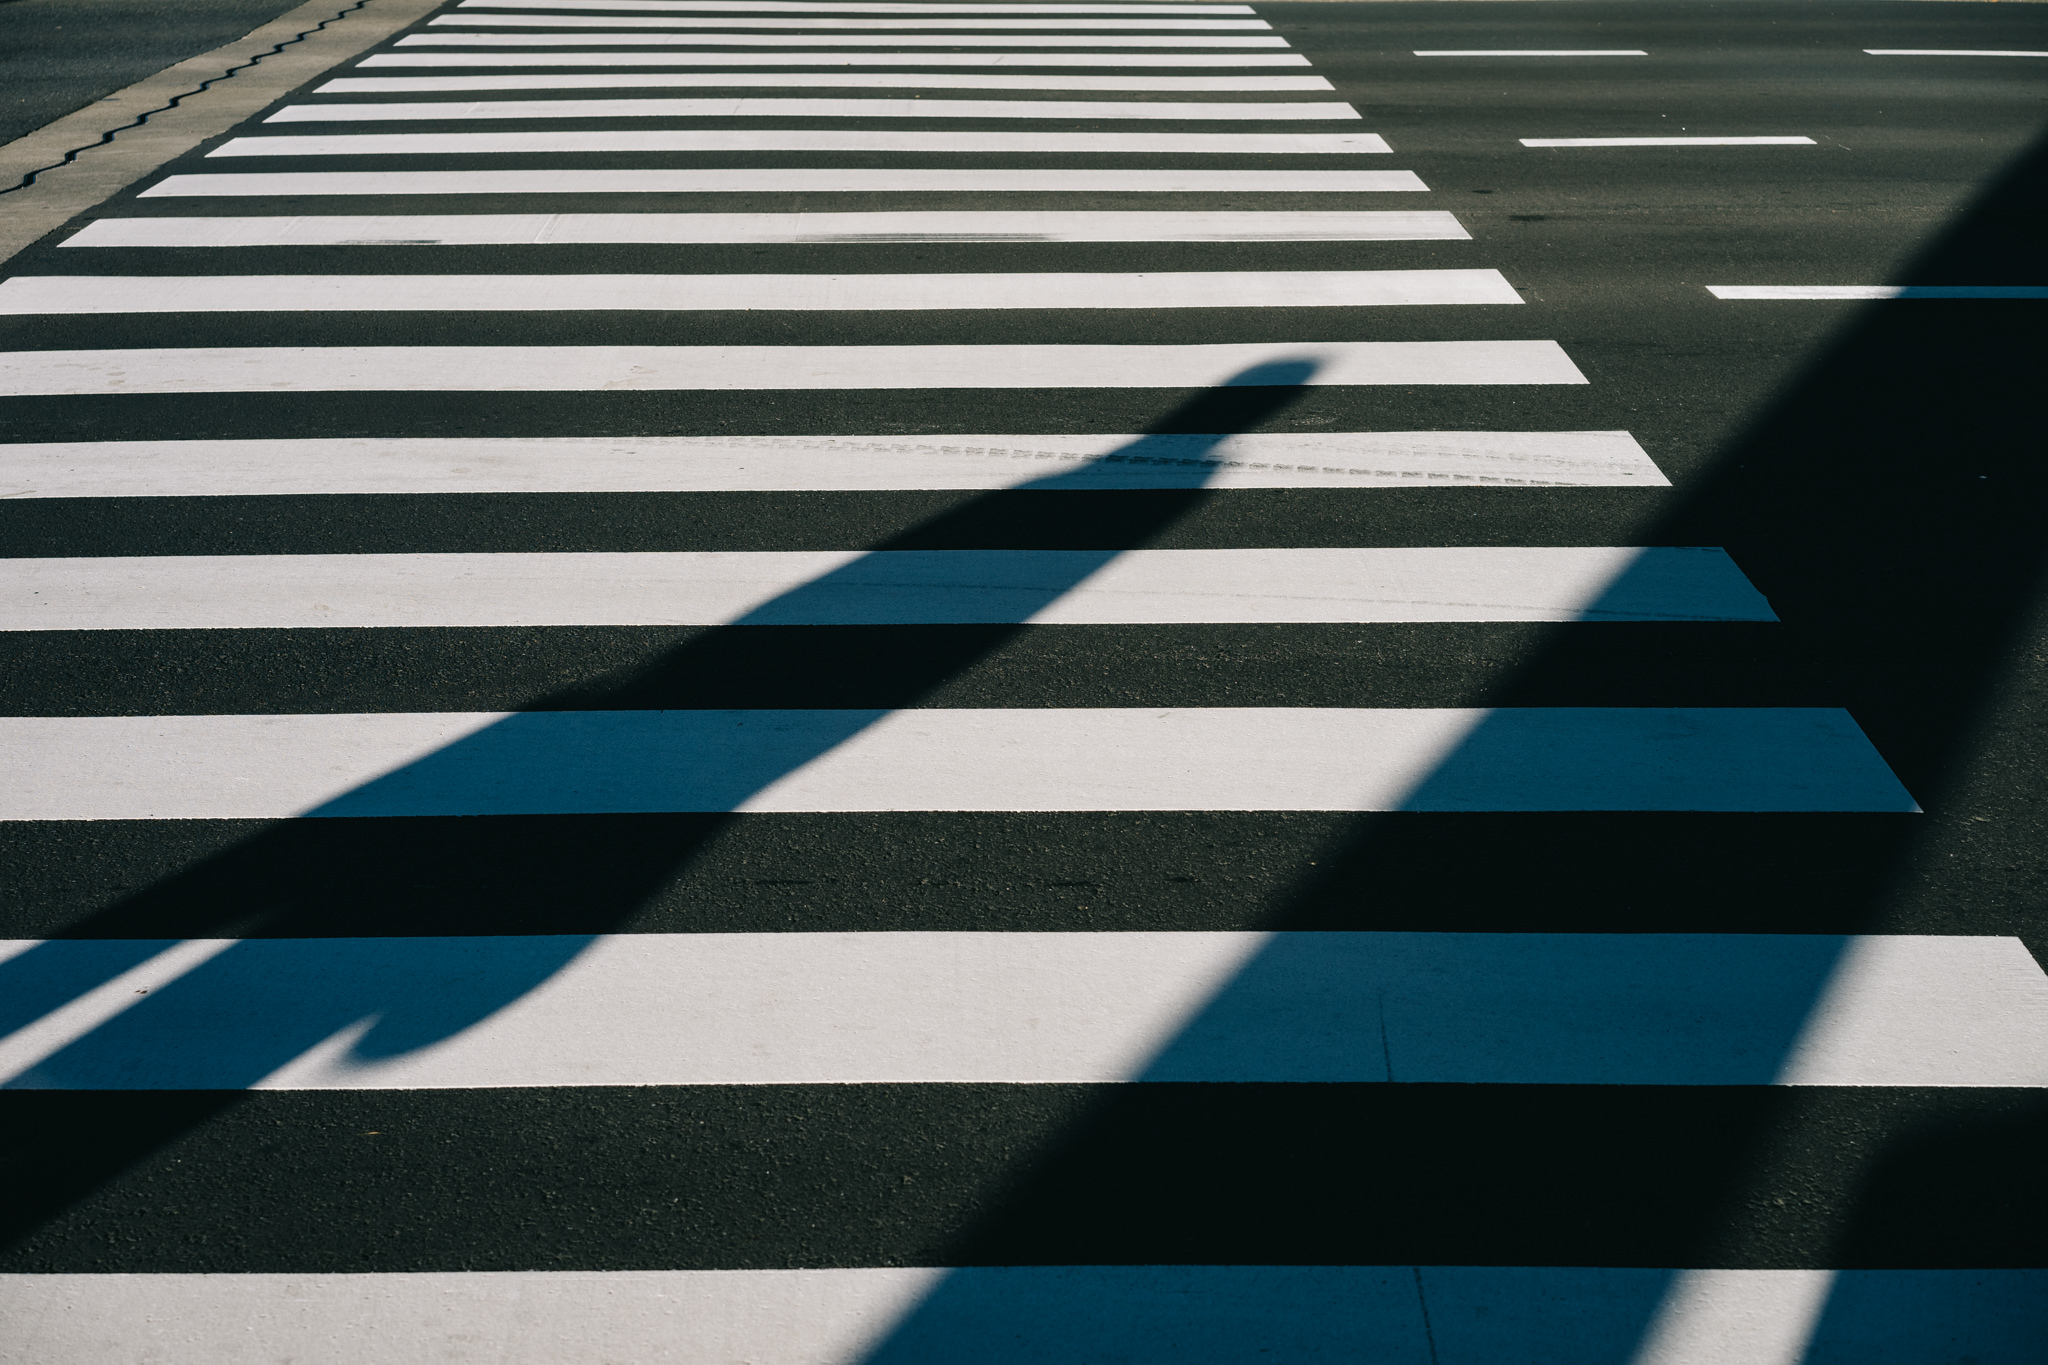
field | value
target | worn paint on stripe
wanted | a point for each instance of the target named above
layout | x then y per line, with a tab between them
795	140
562	369
53	294
1395	459
784	180
542	229
902	587
813	80
1038	1008
1209	111
1667	142
1120	60
1878	291
1259	758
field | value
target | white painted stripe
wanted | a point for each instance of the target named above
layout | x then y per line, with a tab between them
1531	52
798	140
1667	142
1145	1315
843	7
1183	111
729	21
1736	1317
569	369
1949	52
1878	291
815	80
785	180
1044	1008
1043	225
1260	758
1120	60
898	587
827	40
53	294
1364	459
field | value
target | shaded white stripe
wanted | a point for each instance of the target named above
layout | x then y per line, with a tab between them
1261	758
1667	142
712	463
785	180
826	40
565	369
1119	60
796	140
1532	52
728	21
843	7
897	587
1043	225
52	294
1878	291
1053	1008
813	80
1185	111
1948	52
1145	1315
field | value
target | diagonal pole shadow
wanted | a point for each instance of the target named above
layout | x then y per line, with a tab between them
269	886
1892	505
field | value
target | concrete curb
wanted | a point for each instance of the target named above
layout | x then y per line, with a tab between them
58	195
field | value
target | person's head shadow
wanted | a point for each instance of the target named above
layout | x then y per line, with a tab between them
420	884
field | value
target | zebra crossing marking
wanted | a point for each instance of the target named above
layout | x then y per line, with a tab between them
983	759
1388	459
796	140
1119	60
502	369
79	294
982	225
1028	1008
1211	111
814	80
782	180
899	587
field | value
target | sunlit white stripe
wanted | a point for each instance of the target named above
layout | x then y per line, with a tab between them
52	294
784	180
1532	52
842	7
898	587
1026	40
814	80
451	110
1667	142
797	140
1736	1317
569	464
728	21
934	759
614	369
1119	60
1878	291
1043	225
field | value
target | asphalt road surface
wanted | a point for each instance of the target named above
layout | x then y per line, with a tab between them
681	681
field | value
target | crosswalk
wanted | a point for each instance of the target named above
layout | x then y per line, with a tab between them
403	1027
